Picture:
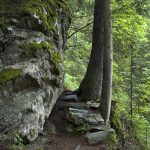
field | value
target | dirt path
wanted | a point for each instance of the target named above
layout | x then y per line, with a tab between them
62	142
55	136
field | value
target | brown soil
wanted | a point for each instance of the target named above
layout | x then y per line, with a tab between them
63	142
3	146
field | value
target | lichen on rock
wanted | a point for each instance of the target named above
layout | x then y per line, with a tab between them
32	37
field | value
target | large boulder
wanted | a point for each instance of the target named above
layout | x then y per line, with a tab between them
32	38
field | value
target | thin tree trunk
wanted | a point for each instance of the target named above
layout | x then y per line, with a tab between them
107	63
131	85
90	87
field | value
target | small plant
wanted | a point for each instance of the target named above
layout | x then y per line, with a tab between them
18	143
83	128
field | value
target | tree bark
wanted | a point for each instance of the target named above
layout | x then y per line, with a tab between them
91	85
107	63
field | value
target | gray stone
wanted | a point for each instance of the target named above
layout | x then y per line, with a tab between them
69	98
75	110
72	105
78	147
31	77
81	116
98	137
91	104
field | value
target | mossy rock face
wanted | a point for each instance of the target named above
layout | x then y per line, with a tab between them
9	74
35	15
32	37
31	49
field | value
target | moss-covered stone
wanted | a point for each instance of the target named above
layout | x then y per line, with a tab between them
33	34
38	15
56	58
29	49
35	45
9	74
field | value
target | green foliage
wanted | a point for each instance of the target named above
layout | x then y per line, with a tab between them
112	142
79	45
29	49
76	61
82	128
130	37
115	122
18	143
9	74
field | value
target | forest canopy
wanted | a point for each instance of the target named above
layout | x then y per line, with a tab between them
131	60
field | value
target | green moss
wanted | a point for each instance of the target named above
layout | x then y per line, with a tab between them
25	11
82	128
57	61
9	74
56	57
114	119
116	123
112	142
29	49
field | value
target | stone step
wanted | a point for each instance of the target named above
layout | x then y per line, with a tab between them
97	137
92	104
83	116
72	105
69	98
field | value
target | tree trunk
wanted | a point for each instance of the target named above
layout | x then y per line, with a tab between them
90	87
107	63
131	84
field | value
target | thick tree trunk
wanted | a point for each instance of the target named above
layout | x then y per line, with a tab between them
90	87
107	64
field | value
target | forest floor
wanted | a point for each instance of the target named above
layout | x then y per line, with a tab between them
55	136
